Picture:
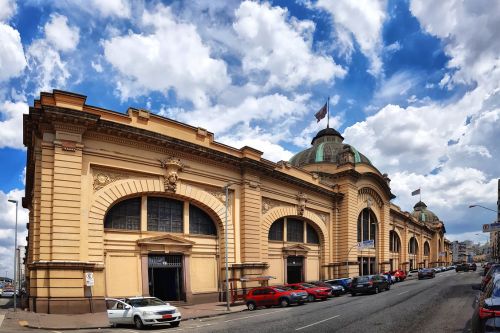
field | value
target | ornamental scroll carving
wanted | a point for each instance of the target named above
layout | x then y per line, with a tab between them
172	168
104	178
268	204
221	196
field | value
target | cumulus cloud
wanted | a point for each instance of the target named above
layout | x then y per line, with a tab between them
279	48
360	22
117	8
7	9
161	60
11	124
12	60
60	35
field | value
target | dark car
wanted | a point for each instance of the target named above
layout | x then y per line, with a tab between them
487	267
494	269
335	290
462	268
344	282
269	296
472	266
486	317
366	284
426	273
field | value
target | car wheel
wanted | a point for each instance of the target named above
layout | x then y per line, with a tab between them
310	298
376	290
284	303
268	306
175	324
251	306
301	303
138	323
388	287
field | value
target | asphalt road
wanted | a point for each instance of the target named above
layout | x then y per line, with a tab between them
442	304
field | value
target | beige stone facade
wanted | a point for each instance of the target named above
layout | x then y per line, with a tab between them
138	200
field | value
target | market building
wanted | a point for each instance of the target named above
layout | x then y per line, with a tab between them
137	202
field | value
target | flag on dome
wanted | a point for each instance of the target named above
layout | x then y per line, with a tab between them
416	192
322	112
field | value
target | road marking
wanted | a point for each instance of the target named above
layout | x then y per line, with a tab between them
404	292
258	315
316	323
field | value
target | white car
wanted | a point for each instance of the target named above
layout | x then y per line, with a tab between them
8	293
142	311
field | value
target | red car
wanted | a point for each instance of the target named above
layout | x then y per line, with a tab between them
398	275
314	292
269	296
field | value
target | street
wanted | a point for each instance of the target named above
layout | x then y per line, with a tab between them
442	304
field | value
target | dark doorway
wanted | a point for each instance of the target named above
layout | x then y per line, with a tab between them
166	277
294	269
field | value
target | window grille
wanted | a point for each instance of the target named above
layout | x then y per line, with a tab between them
200	223
276	230
165	215
172	261
312	235
124	215
295	230
367	224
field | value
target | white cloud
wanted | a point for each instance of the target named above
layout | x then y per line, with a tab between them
306	135
11	124
96	66
279	48
60	35
118	8
7	9
396	87
163	60
362	21
12	60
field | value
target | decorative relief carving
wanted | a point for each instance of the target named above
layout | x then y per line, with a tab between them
367	194
103	178
323	217
221	195
301	203
268	204
172	166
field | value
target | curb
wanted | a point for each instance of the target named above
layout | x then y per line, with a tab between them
212	315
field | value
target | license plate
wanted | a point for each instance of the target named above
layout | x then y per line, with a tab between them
166	316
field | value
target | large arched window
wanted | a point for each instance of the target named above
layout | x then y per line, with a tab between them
367	224
276	230
200	223
165	215
394	242
413	246
427	249
124	215
294	230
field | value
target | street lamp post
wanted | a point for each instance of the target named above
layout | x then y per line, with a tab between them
15	255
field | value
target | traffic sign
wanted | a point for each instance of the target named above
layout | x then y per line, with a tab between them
89	279
491	227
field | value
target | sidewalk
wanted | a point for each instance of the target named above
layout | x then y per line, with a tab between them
15	320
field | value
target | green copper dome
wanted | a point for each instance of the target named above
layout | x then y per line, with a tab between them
327	146
422	214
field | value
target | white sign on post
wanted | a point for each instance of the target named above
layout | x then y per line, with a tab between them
491	227
89	279
367	244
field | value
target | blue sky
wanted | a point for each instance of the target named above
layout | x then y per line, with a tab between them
413	85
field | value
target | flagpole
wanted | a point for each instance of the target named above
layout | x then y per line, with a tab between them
328	112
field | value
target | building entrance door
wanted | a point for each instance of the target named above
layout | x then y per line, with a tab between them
294	269
166	277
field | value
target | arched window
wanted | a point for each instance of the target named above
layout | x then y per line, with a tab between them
124	215
413	246
367	224
200	223
427	249
165	215
294	230
312	235
276	230
394	242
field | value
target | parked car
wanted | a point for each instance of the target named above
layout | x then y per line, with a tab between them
344	282
8	292
488	308
278	295
335	290
494	269
462	268
472	266
426	273
314	292
399	275
487	267
141	312
369	284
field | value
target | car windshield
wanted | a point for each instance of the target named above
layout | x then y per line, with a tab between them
361	279
281	289
307	285
141	302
